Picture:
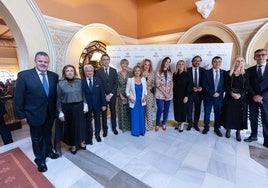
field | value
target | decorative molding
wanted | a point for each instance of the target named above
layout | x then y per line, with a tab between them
46	32
259	40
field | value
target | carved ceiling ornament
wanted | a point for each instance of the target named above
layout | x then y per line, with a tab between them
204	7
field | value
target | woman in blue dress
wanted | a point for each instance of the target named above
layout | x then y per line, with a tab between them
136	92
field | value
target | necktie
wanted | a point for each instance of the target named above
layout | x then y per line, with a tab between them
195	78
259	72
106	72
216	82
45	83
90	84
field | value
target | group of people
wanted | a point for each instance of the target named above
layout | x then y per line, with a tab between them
40	97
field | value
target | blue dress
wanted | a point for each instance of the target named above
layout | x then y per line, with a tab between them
137	114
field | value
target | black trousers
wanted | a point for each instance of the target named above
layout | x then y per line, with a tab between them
111	105
5	133
41	136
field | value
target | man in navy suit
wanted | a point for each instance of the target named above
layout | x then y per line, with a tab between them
213	85
94	93
196	97
108	77
258	95
35	104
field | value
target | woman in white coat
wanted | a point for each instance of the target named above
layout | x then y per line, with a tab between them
136	92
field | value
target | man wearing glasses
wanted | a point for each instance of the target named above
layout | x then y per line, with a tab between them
258	95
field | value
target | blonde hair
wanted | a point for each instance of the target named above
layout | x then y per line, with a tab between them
177	66
232	68
143	64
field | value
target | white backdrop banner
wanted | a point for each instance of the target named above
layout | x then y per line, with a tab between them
136	53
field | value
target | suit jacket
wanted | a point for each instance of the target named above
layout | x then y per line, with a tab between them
208	83
255	86
110	83
96	97
30	99
201	73
131	93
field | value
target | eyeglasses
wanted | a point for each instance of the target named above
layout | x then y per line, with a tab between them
260	55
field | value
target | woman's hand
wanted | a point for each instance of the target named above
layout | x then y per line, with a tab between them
185	100
62	118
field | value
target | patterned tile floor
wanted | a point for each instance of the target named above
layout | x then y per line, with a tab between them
158	159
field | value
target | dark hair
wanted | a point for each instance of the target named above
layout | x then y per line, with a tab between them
40	54
161	69
105	55
197	56
260	50
216	57
66	67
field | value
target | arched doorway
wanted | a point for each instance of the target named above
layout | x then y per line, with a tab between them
85	36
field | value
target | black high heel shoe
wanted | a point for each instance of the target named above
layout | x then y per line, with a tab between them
83	146
73	151
238	136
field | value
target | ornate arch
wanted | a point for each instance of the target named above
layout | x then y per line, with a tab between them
29	30
212	28
259	40
88	34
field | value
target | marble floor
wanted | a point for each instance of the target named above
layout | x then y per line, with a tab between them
164	159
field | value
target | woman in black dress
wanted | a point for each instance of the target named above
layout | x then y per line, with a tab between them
235	101
182	87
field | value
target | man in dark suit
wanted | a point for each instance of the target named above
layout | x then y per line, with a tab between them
108	77
35	104
94	93
258	95
196	97
213	85
5	133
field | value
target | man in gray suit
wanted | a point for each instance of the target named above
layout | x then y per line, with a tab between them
108	77
35	104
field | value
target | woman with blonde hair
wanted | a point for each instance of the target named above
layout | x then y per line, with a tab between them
122	101
163	92
147	72
182	88
235	100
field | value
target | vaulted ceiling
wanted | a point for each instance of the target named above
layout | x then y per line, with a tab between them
5	33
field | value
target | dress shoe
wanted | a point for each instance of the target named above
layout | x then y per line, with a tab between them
105	133
156	128
164	127
189	127
98	138
251	139
42	167
218	132
265	144
90	142
228	133
53	155
205	131
196	128
238	136
115	132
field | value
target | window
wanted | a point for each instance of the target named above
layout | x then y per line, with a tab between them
5	75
